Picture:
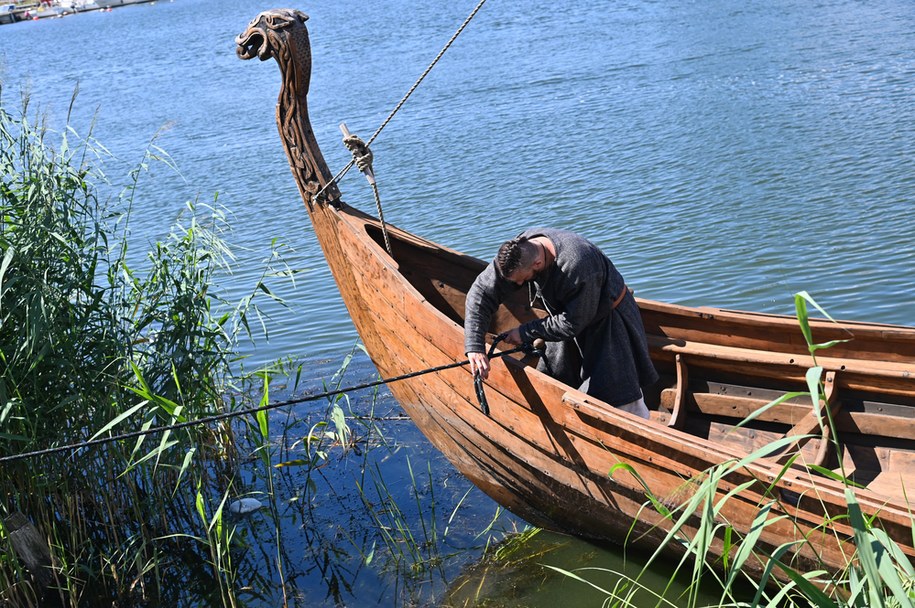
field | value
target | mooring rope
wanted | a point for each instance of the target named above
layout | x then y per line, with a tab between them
403	100
363	157
384	226
524	348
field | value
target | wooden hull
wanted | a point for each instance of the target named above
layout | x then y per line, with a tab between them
546	451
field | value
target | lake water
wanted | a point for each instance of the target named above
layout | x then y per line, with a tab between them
721	153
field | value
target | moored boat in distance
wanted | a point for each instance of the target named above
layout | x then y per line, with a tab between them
545	450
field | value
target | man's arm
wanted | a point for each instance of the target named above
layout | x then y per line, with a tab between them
483	299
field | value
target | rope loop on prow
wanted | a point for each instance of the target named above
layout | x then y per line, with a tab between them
363	157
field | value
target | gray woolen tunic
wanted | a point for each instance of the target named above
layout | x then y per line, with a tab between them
590	345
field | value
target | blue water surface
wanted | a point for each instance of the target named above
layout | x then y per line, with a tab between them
721	154
724	154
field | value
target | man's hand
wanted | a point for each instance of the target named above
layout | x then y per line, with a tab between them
479	364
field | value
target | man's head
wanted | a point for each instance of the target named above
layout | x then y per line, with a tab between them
519	260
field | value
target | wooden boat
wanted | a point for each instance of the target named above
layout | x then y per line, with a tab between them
545	450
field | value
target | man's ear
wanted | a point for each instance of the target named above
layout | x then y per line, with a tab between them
540	262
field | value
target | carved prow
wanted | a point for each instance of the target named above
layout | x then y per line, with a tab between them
281	34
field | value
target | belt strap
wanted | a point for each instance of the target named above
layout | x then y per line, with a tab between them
620	297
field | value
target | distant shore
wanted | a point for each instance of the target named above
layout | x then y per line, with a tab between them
61	8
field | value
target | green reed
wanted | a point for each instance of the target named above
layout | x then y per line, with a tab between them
96	339
92	343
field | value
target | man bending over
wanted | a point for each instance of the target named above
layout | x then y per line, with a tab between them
594	333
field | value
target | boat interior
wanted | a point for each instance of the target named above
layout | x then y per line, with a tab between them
714	376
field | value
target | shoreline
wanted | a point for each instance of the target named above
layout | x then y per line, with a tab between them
37	13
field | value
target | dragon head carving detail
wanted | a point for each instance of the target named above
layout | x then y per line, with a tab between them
281	34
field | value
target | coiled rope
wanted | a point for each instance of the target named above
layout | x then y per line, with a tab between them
317	197
524	348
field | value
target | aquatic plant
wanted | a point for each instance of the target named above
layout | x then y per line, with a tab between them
96	339
93	341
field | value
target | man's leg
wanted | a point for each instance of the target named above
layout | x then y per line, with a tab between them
637	407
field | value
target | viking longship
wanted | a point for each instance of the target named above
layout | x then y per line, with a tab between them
566	461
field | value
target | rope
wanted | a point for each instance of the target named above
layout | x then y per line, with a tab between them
525	348
478	379
362	156
384	227
403	100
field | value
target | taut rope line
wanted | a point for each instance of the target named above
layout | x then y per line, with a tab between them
349	165
525	348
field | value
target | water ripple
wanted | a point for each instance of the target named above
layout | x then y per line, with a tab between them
721	154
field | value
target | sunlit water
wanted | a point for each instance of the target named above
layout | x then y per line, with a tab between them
721	154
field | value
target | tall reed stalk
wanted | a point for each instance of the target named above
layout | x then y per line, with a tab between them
90	342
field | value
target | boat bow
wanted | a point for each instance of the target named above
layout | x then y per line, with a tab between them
546	449
281	34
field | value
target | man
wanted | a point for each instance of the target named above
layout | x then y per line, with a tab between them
594	333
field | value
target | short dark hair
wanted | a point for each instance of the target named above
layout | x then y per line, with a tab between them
513	255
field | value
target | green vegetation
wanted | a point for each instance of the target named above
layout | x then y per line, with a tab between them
89	342
96	340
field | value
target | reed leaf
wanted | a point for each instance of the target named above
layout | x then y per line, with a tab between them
814	377
261	415
875	559
800	304
811	592
89	343
125	415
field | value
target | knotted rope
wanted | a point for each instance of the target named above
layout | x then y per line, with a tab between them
363	157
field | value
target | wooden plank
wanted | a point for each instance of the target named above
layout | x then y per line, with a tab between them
733	406
777	358
868	423
766	332
822	499
681	394
815	422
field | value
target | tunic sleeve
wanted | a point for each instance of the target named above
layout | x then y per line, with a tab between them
483	300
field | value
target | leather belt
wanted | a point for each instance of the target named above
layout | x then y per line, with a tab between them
620	297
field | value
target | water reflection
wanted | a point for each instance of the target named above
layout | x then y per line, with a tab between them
549	569
383	520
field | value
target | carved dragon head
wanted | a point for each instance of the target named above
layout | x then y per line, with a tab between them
267	33
281	34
